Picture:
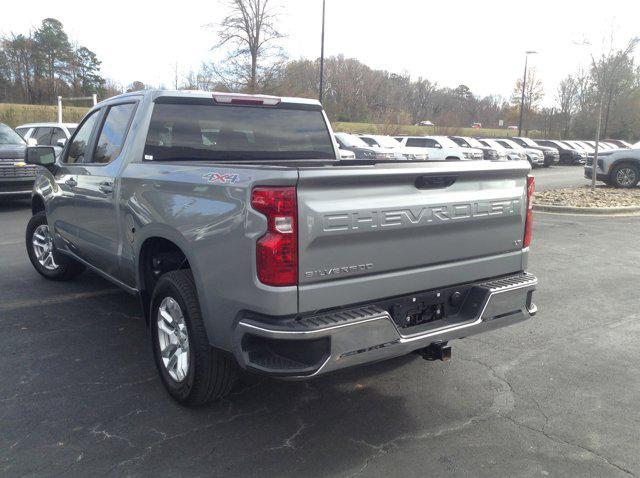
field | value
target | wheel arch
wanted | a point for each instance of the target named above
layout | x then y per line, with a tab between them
37	204
172	251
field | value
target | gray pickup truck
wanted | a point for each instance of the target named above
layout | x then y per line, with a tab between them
252	246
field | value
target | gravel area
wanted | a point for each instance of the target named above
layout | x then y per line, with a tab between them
583	196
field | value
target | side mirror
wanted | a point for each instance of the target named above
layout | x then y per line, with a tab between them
61	142
41	156
32	142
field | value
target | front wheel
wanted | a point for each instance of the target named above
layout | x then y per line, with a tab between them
625	176
43	254
191	370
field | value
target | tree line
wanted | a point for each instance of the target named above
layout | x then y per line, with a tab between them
38	66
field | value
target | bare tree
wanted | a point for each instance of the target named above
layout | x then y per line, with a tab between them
249	36
567	97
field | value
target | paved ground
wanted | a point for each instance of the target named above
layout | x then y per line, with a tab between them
559	177
557	396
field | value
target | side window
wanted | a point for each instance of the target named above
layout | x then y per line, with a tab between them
22	131
78	147
42	136
57	135
417	142
506	145
432	143
113	133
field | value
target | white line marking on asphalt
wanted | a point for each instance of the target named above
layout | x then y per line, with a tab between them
22	304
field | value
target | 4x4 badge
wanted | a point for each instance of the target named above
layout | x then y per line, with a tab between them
224	178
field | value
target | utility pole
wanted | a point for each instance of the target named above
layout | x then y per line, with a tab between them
524	82
322	55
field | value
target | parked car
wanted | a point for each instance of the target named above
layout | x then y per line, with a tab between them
619	168
362	150
251	247
551	155
568	155
512	128
476	125
48	134
440	148
391	144
425	123
432	147
602	145
619	143
533	155
503	152
16	176
468	142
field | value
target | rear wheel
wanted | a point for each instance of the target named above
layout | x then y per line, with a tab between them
43	254
625	176
191	370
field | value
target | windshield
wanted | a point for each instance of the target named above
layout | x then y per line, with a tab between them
8	136
197	131
386	141
351	140
494	144
585	146
446	142
562	145
511	143
529	142
474	143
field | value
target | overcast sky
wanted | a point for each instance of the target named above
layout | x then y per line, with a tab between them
478	43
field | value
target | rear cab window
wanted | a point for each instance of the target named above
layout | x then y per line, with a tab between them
182	130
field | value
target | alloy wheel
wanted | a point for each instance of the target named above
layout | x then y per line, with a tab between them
173	339
43	247
626	177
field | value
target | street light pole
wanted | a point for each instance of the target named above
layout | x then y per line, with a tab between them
322	55
524	82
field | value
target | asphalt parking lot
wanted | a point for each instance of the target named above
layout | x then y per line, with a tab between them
556	396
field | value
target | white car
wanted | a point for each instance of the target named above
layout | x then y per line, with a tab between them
510	154
401	152
534	156
47	134
437	149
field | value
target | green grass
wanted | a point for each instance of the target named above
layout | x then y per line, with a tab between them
409	130
14	115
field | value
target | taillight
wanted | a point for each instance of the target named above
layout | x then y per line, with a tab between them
277	250
528	224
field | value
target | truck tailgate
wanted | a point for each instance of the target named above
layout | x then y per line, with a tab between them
368	232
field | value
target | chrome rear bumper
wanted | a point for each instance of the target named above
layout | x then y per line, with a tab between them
369	334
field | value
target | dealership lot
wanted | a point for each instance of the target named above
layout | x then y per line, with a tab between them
554	396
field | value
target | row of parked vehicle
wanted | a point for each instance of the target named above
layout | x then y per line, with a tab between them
539	152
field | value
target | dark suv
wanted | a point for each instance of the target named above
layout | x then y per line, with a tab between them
16	177
568	155
551	154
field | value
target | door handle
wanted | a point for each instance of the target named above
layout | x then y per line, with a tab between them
72	183
106	187
435	182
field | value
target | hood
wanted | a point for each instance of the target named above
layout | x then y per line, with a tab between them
12	151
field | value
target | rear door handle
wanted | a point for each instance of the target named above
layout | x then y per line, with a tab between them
435	182
106	187
72	183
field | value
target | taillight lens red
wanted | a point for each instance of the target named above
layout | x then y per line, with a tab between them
528	225
277	250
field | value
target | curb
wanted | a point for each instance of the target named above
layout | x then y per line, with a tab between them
587	210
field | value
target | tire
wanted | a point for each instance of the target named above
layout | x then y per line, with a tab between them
42	253
201	374
625	176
